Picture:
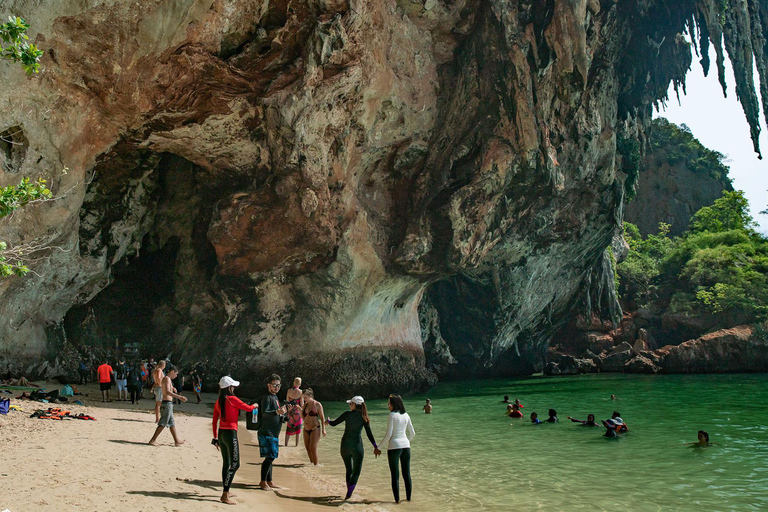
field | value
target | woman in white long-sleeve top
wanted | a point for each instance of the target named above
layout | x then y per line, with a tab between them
398	441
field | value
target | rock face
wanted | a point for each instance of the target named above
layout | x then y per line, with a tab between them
739	349
279	184
678	177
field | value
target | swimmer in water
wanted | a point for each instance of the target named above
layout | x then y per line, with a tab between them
552	416
517	402
535	419
620	425
610	428
613	397
589	422
514	412
703	439
428	407
506	400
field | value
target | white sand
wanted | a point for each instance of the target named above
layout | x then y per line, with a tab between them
106	465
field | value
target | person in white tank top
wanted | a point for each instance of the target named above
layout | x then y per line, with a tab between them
398	441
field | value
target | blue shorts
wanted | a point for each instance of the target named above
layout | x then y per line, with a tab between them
268	446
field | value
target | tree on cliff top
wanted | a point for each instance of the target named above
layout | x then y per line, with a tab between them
14	47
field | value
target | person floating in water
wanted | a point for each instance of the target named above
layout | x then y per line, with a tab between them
517	403
703	439
535	419
506	399
613	397
589	422
513	411
610	428
621	426
552	416
428	407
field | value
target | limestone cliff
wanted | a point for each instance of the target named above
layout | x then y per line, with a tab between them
678	176
275	184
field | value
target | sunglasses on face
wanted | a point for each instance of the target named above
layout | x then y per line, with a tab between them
274	385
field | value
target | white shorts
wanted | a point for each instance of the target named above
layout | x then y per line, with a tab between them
122	385
158	394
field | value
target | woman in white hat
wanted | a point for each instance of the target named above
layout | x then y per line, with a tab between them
352	452
226	413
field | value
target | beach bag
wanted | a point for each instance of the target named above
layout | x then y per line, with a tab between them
5	405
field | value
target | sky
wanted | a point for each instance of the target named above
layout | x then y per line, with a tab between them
719	124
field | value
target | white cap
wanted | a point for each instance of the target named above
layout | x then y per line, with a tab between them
356	400
227	381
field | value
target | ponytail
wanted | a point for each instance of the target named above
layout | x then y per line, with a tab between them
363	412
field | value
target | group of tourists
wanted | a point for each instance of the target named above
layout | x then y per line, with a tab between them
613	426
131	379
304	415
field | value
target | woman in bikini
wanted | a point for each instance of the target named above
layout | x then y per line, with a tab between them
294	397
314	424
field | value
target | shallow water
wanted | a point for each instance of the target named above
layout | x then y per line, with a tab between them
468	455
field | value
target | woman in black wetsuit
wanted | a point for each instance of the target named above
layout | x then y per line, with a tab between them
352	451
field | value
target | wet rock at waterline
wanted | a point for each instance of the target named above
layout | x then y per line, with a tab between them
280	184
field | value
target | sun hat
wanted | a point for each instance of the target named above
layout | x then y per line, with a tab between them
618	420
611	422
227	381
357	400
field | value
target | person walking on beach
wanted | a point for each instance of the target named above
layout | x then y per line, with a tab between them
104	371
270	420
166	408
398	438
134	382
226	413
121	380
197	384
157	387
352	452
82	370
295	420
314	424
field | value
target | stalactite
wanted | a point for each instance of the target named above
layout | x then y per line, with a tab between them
740	26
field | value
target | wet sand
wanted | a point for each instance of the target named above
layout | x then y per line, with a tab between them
106	464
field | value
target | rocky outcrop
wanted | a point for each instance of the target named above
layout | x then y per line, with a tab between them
678	177
739	349
278	184
726	350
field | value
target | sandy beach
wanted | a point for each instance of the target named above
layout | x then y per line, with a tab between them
107	465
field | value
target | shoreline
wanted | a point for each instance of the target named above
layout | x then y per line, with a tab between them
107	464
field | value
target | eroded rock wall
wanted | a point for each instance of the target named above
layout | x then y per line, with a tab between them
276	184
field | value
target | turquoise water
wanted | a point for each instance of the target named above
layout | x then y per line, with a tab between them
468	455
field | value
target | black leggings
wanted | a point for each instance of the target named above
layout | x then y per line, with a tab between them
404	454
230	452
353	461
135	393
266	469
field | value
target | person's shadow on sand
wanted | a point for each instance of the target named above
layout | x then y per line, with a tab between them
175	495
216	484
328	501
123	441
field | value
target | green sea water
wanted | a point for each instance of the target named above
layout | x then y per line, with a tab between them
468	455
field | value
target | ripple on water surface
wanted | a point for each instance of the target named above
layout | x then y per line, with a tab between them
468	455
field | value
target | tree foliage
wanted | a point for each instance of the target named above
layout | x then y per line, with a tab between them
718	267
14	45
678	144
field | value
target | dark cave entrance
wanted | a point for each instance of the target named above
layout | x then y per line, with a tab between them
123	313
151	288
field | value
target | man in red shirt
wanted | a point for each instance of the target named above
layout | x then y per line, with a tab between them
105	380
